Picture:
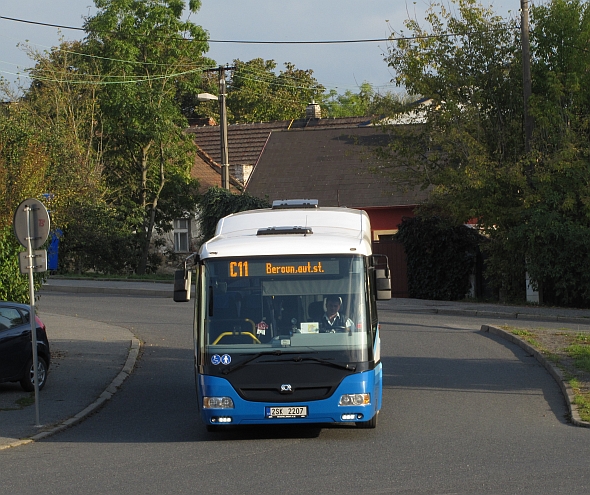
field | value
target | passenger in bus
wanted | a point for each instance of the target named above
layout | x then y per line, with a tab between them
333	321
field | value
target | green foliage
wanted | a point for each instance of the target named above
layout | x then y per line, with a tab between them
440	256
179	196
148	64
467	146
556	247
505	265
14	286
23	162
365	103
63	103
99	239
350	104
217	203
256	93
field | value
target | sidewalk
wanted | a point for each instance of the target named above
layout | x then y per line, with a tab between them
90	360
78	286
489	310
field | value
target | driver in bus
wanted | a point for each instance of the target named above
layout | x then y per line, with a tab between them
333	321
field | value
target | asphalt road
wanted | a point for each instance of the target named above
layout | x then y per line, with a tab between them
463	412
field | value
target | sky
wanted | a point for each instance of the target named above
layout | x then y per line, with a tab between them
336	66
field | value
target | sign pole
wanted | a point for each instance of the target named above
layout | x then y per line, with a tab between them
31	227
29	212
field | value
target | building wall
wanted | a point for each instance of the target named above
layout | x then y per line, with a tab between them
386	220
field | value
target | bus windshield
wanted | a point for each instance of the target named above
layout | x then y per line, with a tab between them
306	304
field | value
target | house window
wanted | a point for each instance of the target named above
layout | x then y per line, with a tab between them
181	235
382	235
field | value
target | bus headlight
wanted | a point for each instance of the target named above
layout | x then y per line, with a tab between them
218	403
355	400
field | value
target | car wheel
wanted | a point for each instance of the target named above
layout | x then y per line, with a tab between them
372	423
28	381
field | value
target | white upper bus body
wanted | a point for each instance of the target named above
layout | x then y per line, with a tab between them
292	231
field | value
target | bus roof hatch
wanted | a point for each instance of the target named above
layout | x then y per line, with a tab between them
282	204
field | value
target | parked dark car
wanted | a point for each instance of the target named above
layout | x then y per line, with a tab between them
16	351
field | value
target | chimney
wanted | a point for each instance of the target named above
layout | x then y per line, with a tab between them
313	111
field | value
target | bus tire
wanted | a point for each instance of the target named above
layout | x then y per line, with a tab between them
372	423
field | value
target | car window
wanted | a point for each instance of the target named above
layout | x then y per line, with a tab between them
10	317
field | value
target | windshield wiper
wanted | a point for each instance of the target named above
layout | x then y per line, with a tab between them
347	366
298	358
327	362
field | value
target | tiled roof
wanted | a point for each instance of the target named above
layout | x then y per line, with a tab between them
208	173
328	163
246	141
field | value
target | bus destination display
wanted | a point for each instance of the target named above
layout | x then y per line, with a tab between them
239	269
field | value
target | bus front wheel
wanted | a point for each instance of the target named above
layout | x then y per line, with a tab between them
372	423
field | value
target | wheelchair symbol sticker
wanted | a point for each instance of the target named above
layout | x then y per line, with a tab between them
225	359
215	359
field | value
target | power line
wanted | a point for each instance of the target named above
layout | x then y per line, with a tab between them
41	23
260	42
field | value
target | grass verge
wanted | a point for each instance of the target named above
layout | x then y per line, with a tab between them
570	352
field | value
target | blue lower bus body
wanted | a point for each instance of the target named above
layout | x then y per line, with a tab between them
318	411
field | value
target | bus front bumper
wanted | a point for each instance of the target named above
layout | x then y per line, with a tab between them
321	411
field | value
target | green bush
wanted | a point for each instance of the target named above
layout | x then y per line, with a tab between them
440	257
557	248
14	286
99	239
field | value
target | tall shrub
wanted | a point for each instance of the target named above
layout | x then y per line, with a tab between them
440	257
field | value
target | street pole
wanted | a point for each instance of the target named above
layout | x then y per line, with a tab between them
223	126
526	73
29	211
31	224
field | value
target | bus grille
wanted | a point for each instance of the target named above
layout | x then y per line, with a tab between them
299	394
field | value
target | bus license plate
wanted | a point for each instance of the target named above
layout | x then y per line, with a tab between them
286	412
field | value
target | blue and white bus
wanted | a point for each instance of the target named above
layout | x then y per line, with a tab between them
265	352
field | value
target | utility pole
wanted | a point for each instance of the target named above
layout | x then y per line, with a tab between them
526	73
223	118
223	124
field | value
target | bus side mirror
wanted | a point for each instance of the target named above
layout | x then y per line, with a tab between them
182	285
383	282
382	277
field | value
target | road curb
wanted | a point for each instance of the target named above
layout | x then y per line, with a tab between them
555	372
108	393
108	290
495	314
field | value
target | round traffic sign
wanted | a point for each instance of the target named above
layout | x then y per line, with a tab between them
38	223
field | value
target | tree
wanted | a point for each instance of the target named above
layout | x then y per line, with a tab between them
467	145
366	103
255	93
64	114
149	57
217	203
24	164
